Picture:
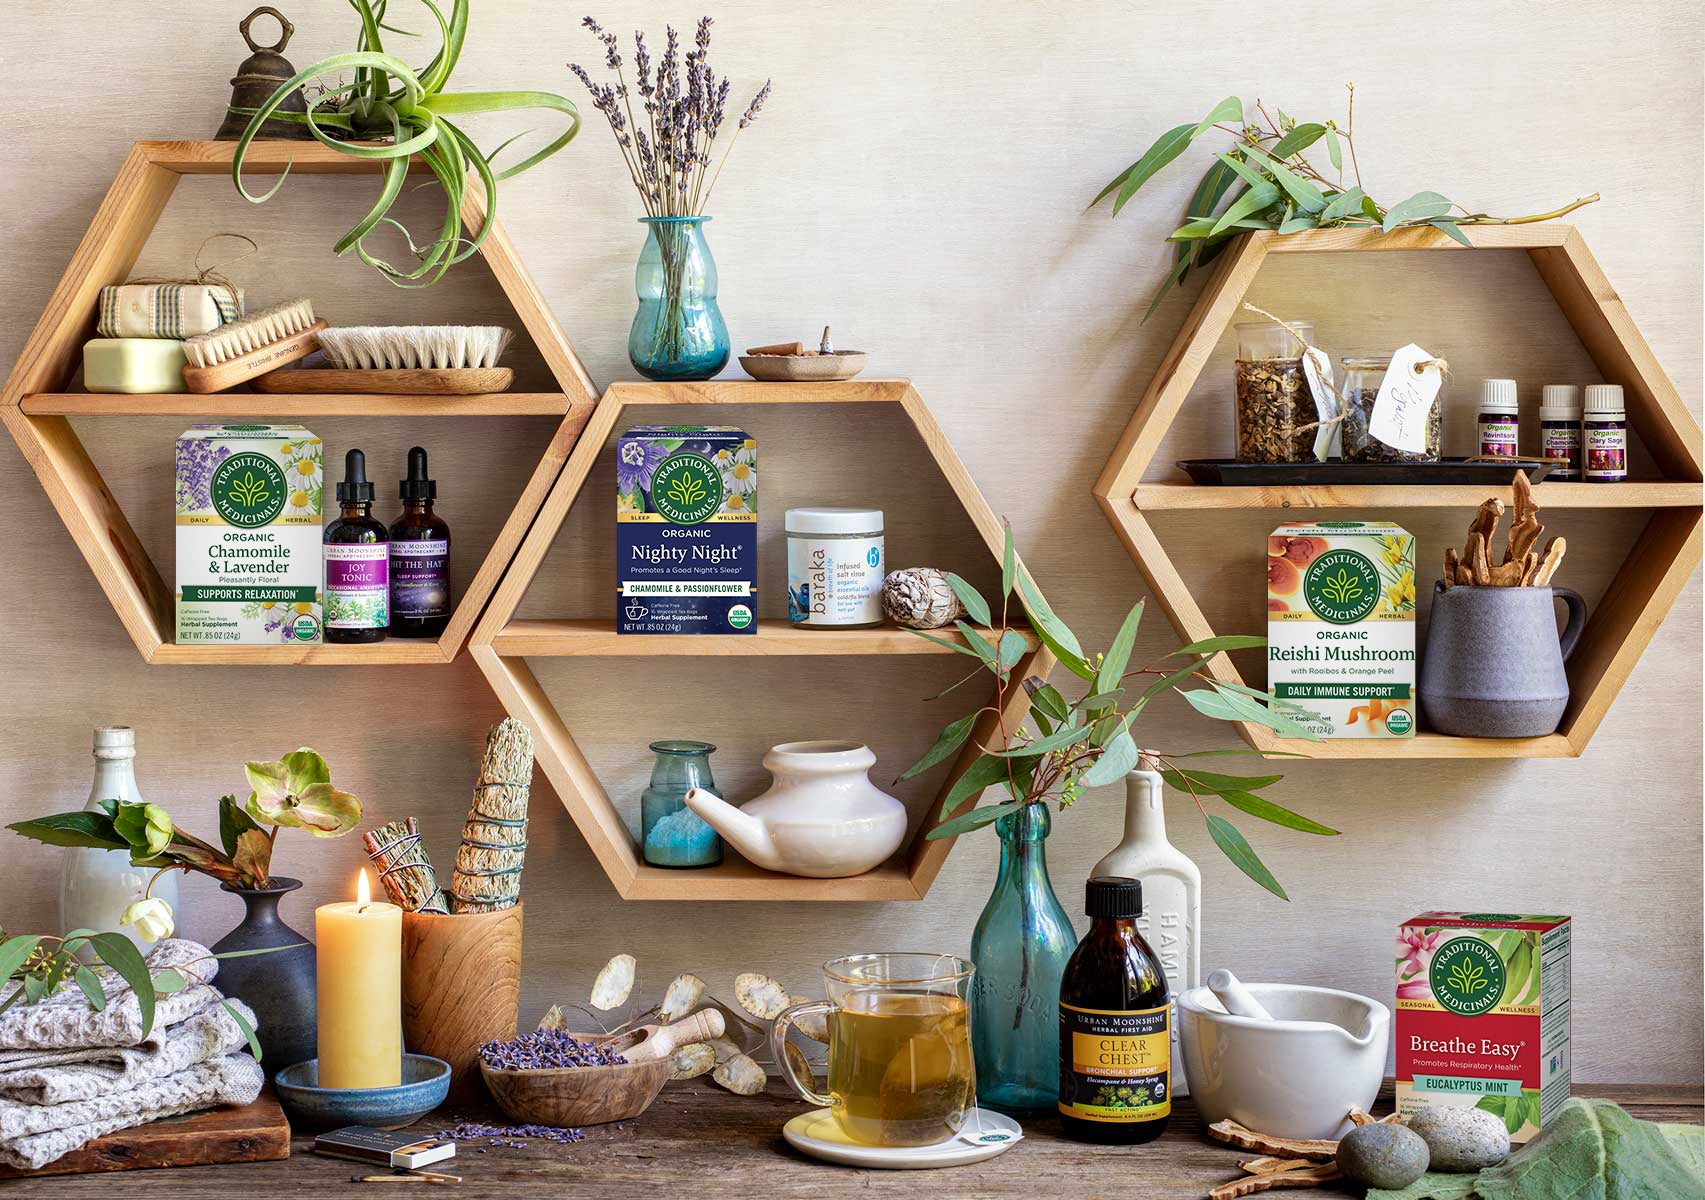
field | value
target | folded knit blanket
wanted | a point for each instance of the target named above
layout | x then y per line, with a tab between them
66	1020
83	1073
32	1136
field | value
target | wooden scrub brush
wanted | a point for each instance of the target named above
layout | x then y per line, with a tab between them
403	359
240	350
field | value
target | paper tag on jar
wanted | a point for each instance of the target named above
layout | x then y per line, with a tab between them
1404	405
1317	369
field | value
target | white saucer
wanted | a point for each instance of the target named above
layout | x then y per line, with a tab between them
816	1133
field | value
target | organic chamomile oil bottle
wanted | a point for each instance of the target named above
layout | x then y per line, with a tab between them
1115	1035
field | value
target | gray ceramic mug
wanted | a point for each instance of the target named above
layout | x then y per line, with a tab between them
1493	666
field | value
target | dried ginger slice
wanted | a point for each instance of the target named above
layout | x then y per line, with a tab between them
741	1075
760	995
614	983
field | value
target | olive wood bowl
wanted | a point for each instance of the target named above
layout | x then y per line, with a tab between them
795	368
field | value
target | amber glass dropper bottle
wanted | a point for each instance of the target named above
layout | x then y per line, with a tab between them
1115	1027
420	557
357	562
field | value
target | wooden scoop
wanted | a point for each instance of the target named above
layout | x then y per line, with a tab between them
660	1041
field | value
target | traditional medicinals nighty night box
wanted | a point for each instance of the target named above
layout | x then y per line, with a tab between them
248	542
686	530
1341	627
1483	1015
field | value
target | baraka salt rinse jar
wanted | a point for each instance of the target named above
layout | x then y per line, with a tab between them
834	567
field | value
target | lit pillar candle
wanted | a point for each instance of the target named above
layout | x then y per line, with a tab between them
359	956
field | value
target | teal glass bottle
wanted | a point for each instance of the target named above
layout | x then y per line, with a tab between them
678	332
1021	945
673	834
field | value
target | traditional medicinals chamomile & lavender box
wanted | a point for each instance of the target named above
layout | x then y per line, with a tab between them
248	535
1341	627
1483	1016
686	530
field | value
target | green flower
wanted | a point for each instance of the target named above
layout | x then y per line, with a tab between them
147	827
297	792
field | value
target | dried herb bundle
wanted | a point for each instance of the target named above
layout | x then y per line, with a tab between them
494	840
405	868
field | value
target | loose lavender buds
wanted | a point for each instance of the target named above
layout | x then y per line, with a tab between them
508	1136
546	1049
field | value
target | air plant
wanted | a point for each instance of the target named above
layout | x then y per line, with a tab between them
390	113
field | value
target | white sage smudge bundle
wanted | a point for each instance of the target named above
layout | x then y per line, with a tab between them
405	869
494	840
920	598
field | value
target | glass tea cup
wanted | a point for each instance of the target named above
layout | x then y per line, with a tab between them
900	1067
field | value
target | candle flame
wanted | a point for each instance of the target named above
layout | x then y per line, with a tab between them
363	890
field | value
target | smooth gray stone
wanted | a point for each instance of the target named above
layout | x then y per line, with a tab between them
1462	1139
1383	1156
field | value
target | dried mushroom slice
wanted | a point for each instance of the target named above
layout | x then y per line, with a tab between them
740	1075
682	997
689	1062
760	995
614	983
813	1025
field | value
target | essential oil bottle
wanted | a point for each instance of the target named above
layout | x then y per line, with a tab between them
420	557
1115	1025
1604	434
1560	428
358	592
1500	416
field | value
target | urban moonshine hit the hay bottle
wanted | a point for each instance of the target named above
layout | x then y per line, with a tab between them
1115	1039
420	557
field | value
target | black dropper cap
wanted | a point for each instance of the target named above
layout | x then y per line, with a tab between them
355	486
417	486
1113	896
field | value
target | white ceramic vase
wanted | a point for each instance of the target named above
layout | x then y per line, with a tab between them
822	817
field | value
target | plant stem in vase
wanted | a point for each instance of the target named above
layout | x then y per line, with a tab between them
678	332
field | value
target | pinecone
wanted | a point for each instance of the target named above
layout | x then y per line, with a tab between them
919	598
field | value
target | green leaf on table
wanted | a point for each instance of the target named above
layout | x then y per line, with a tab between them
1242	855
1344	204
1297	140
1308	197
1229	641
243	1024
1256	199
1166	147
975	819
1009	561
92	829
976	607
1422	206
1333	149
1053	632
1114	762
945	746
1118	655
1046	697
1189	779
1260	806
1229	109
15	952
90	983
1450	230
119	953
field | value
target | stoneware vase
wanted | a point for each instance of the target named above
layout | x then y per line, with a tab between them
278	986
1493	665
461	988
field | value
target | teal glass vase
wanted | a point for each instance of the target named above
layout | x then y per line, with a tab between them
672	834
678	332
1021	944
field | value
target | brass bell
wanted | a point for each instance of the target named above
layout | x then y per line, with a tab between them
258	78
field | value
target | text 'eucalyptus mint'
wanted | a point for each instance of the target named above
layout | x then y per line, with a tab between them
686	530
1341	627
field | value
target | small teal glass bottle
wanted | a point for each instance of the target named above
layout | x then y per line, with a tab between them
673	834
1021	945
678	332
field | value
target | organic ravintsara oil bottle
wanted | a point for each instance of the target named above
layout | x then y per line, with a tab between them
1115	1043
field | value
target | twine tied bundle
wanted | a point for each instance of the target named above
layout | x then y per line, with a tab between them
211	276
494	839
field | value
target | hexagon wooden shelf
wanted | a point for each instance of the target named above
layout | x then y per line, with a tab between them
38	417
1632	607
501	644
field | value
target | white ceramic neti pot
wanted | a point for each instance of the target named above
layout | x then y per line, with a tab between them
822	817
1295	1076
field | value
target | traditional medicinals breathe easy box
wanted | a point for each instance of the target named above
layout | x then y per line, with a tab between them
1483	1016
1341	627
248	518
686	530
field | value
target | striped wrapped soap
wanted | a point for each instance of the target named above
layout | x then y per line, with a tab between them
166	310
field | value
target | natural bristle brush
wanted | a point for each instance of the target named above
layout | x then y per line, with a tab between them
252	346
402	359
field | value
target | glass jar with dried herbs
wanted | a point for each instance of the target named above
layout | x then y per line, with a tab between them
1276	413
1362	379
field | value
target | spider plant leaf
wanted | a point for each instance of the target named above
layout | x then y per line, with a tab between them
452	104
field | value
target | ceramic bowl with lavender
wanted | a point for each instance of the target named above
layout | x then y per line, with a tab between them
425	1083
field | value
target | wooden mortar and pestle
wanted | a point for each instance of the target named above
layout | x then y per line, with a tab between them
570	1096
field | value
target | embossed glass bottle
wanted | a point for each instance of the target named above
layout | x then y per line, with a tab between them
1021	945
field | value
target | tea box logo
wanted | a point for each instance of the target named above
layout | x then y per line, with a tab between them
1467	976
248	490
687	489
1341	586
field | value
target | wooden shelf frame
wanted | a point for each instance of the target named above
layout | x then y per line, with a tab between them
501	645
36	411
1638	598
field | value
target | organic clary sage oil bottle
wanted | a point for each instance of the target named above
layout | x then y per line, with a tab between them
358	589
1115	1033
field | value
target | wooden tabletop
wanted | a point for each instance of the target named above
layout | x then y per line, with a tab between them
698	1141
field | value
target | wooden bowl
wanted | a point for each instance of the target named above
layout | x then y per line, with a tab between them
571	1096
793	368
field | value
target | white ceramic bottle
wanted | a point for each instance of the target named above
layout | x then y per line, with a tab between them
1172	887
95	886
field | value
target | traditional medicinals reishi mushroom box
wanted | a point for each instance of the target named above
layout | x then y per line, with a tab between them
1483	1016
1341	627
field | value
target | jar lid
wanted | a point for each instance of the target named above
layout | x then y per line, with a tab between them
1498	395
1559	402
1604	398
834	520
1113	896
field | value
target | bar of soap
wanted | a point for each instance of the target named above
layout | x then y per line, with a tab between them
134	365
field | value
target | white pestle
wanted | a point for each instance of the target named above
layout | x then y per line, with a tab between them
1238	1000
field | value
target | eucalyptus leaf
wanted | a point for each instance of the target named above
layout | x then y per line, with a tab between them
1046	697
1308	197
1297	223
1212	704
119	953
1191	780
1211	190
1011	649
1053	632
168	981
1009	561
954	646
1450	230
945	746
979	644
1118	655
975	819
976	607
1229	109
1422	206
1265	711
1228	641
1058	740
1113	763
1242	854
983	773
1166	147
1298	139
1260	806
15	952
90	984
1256	199
1342	205
1333	150
243	1024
